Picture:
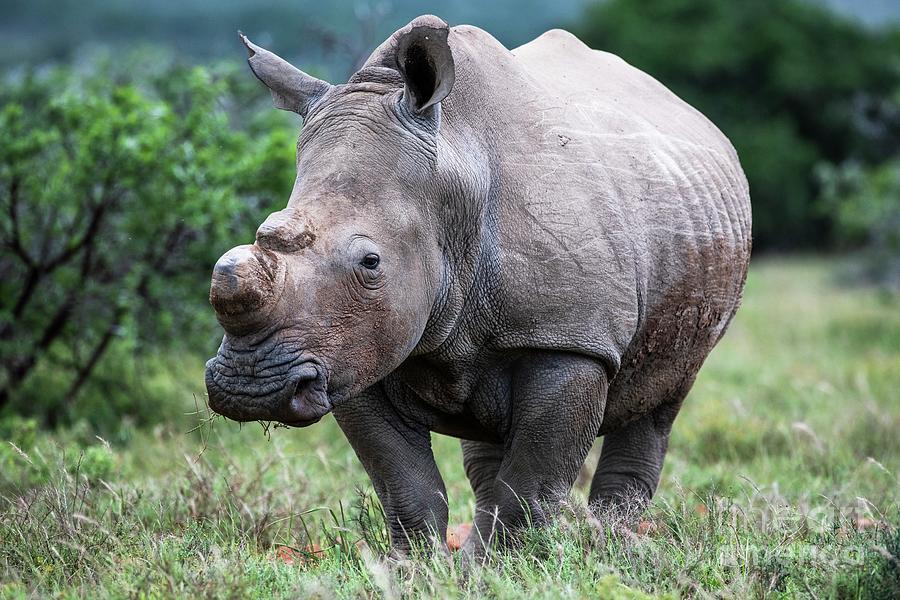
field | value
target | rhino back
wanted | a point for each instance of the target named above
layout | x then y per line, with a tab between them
621	215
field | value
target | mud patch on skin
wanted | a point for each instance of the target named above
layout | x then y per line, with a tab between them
678	333
283	231
288	243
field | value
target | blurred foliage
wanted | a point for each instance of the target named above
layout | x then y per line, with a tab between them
334	36
331	35
865	204
791	84
119	191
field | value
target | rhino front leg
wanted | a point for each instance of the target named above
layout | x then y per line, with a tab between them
558	402
397	456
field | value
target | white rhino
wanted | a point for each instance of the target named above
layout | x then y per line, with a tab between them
524	249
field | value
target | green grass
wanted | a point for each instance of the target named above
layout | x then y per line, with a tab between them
782	480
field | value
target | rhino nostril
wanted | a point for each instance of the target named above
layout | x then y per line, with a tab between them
310	399
307	376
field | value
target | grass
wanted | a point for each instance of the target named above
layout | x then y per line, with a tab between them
782	480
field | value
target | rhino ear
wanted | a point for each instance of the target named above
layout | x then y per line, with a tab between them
425	61
291	88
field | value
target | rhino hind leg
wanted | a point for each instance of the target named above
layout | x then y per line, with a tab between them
482	462
632	457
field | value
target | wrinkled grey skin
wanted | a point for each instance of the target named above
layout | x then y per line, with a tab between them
524	249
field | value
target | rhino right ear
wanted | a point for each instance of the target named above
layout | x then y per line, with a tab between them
425	61
291	88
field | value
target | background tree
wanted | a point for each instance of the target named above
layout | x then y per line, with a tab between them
790	83
865	205
117	199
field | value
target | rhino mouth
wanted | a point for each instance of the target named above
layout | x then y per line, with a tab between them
295	395
309	401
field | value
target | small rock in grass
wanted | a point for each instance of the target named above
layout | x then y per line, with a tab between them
457	534
646	528
290	556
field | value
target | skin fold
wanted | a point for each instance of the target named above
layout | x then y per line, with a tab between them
524	249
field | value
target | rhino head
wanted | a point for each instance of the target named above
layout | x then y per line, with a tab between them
338	288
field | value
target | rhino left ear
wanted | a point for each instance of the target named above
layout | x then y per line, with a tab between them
425	61
291	88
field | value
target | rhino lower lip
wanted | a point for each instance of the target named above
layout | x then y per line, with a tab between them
306	423
300	413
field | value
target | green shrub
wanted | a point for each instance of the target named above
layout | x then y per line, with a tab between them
865	203
96	463
120	192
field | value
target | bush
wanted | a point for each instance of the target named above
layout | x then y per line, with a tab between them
865	203
120	194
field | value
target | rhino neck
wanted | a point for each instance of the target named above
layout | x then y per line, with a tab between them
466	219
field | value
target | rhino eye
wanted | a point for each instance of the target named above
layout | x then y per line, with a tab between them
371	261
